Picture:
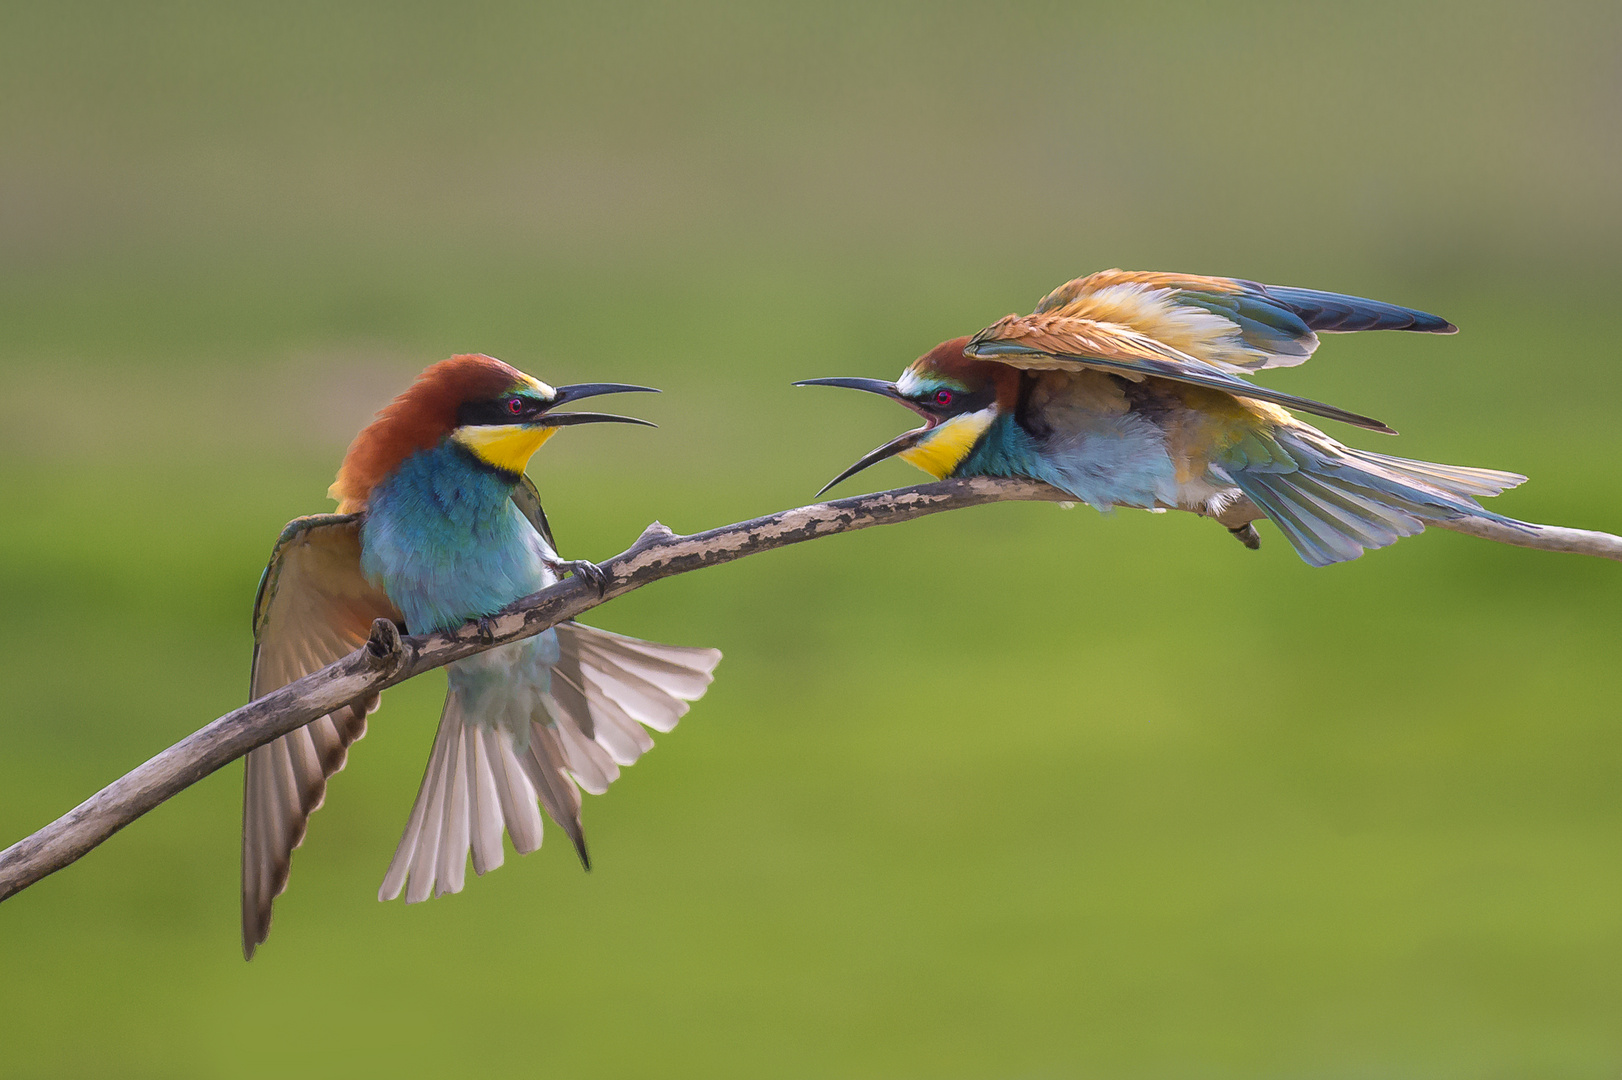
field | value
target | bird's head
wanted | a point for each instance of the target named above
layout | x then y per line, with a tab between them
495	412
958	396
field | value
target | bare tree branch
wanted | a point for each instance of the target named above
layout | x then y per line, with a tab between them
387	658
1542	537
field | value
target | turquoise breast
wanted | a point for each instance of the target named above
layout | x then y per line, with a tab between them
444	540
1104	460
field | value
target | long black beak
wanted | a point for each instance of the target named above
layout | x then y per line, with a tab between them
872	386
564	419
901	442
578	391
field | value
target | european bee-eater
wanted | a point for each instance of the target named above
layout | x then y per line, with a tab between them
436	525
1124	389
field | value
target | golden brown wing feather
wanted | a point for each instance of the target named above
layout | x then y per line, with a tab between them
1205	331
1237	325
314	607
1055	340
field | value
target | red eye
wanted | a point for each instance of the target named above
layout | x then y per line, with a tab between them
943	397
515	406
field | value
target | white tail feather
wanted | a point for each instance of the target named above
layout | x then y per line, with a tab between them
486	815
514	791
484	775
588	763
455	841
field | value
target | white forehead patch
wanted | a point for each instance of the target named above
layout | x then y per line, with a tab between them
909	383
545	390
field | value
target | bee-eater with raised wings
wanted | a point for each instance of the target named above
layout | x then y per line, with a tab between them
436	525
1126	389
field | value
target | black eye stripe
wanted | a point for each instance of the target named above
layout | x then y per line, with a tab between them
957	401
499	411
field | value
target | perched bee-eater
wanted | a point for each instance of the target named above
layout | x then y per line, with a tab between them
1125	389
436	525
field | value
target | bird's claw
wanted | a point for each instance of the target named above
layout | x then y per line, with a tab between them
487	629
584	568
1247	535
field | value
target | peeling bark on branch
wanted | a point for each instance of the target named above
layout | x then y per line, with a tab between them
387	658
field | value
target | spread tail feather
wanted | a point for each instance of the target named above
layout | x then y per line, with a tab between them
1339	502
489	772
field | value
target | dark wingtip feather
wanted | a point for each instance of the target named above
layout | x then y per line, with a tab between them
1337	313
1426	323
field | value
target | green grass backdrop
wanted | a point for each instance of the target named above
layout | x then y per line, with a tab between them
1011	792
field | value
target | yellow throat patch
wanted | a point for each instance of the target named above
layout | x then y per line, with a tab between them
504	446
945	447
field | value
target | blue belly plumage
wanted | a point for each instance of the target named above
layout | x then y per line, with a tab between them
1102	460
445	541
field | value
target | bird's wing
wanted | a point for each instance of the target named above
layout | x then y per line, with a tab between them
528	501
1047	341
314	607
1196	330
1238	326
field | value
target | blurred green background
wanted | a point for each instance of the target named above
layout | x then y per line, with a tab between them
1012	792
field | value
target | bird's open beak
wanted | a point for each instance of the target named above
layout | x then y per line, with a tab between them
895	446
586	390
872	386
904	441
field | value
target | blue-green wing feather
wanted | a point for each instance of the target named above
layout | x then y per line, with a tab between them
1336	313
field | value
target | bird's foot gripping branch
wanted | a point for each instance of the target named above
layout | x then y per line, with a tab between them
386	658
